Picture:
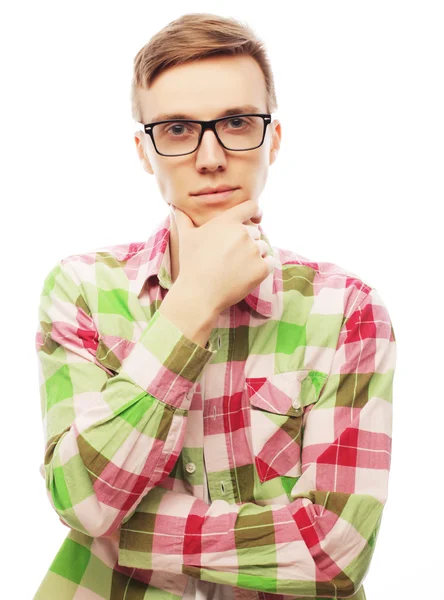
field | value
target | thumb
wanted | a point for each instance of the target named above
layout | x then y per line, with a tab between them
183	221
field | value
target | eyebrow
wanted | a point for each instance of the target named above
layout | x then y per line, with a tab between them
245	109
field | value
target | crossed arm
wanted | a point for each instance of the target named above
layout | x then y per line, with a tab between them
114	427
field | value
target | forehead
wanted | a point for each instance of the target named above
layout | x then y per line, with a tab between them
205	89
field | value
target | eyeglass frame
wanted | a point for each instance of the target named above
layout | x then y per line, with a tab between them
211	124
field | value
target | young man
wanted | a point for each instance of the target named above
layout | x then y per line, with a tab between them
217	410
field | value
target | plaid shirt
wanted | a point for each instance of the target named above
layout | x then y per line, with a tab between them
286	415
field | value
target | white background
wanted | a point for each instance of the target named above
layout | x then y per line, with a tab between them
358	182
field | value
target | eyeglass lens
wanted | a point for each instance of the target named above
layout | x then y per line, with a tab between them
181	137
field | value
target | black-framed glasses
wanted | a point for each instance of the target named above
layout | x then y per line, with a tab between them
238	133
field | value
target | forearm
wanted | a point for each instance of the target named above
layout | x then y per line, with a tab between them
110	437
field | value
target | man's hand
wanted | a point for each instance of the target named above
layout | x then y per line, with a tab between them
224	258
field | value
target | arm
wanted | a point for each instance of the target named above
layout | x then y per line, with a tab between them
109	438
321	543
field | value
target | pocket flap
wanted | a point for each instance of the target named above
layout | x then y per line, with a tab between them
285	393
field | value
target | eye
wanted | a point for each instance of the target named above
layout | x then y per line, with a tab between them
238	119
180	129
175	126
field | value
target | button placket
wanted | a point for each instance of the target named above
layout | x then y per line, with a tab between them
219	345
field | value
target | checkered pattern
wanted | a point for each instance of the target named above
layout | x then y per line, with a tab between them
287	410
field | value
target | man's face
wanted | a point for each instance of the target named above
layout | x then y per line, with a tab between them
203	90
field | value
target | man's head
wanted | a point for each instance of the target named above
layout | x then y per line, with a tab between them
202	65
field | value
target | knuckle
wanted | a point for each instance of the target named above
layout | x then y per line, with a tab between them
246	233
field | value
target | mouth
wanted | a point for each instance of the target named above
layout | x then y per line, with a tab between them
216	196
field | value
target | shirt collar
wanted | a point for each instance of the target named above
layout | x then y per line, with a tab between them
153	258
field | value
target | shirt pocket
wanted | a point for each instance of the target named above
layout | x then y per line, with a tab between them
277	404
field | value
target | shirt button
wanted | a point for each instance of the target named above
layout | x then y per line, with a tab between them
190	467
298	409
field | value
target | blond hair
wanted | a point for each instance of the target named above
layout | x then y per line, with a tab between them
196	36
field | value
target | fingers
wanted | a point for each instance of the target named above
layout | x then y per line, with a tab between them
271	261
263	247
253	231
243	211
257	217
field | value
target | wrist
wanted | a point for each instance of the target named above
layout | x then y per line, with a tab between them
194	299
189	313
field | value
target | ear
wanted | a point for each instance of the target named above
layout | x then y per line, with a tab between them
275	141
138	138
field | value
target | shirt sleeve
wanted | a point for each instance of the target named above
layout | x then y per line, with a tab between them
322	542
110	436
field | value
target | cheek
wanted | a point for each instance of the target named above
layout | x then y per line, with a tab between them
261	177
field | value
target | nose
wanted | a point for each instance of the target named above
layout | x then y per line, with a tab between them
207	133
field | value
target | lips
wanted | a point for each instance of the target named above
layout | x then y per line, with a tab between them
215	198
217	190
